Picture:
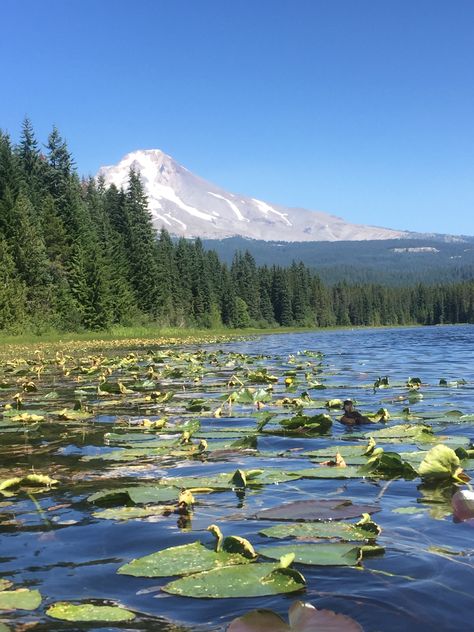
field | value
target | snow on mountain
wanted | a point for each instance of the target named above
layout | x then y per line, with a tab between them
188	205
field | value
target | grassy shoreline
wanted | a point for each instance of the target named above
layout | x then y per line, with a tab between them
142	336
152	332
126	337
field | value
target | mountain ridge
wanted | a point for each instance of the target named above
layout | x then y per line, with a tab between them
190	206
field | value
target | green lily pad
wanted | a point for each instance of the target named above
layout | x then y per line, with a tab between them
229	480
20	599
180	560
141	495
88	612
440	463
320	530
316	554
413	433
133	513
248	580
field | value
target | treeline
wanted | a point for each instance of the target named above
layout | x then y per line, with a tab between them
76	255
397	262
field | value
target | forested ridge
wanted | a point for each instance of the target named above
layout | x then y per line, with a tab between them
76	255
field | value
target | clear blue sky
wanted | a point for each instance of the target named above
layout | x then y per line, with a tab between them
361	108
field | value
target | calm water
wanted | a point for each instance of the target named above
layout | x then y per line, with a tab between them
424	581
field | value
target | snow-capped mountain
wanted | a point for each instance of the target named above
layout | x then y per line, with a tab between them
187	205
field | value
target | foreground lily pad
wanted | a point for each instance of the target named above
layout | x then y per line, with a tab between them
20	599
247	580
315	510
88	612
316	554
303	617
180	560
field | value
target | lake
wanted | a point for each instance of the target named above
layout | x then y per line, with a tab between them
100	427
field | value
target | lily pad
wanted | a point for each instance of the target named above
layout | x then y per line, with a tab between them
321	530
20	599
88	612
244	580
180	560
441	463
330	472
316	510
230	480
141	495
133	513
414	433
316	554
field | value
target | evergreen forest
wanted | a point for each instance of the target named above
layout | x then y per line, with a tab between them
76	255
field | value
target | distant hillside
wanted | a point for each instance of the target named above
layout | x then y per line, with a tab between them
392	262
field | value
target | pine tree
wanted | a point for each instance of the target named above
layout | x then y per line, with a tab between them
12	291
281	299
141	247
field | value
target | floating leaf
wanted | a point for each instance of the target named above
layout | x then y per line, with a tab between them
316	424
416	433
133	513
389	464
244	580
316	554
180	560
141	495
89	612
316	510
321	530
20	599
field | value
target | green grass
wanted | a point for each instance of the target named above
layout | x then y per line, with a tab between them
119	338
143	332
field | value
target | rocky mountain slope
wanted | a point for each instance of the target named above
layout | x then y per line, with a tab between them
188	205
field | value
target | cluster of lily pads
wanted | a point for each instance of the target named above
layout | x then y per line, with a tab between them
162	409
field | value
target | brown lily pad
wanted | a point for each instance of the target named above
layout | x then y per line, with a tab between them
317	510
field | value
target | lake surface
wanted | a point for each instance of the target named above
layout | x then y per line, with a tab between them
50	539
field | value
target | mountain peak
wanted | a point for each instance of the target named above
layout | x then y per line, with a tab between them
186	205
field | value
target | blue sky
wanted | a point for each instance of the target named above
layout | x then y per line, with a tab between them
360	108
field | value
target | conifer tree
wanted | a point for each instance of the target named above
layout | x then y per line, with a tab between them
12	291
141	247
